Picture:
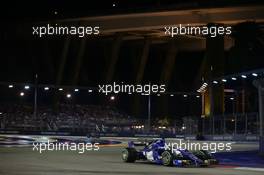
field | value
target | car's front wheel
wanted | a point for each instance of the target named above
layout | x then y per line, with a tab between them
167	158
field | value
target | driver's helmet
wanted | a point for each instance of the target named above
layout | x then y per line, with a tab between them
159	143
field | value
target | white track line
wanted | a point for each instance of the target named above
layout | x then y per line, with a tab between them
249	169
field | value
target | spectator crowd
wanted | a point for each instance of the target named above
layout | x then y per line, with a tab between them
65	118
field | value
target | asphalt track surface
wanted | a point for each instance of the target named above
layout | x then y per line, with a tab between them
25	161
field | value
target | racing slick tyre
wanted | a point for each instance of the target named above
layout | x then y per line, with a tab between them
167	158
129	155
210	157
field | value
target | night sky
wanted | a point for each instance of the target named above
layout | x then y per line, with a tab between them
21	58
59	9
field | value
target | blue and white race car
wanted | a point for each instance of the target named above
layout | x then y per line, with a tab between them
157	152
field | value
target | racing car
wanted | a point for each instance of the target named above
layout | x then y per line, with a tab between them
156	151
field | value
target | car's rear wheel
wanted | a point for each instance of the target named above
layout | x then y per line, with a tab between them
210	157
167	158
129	155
